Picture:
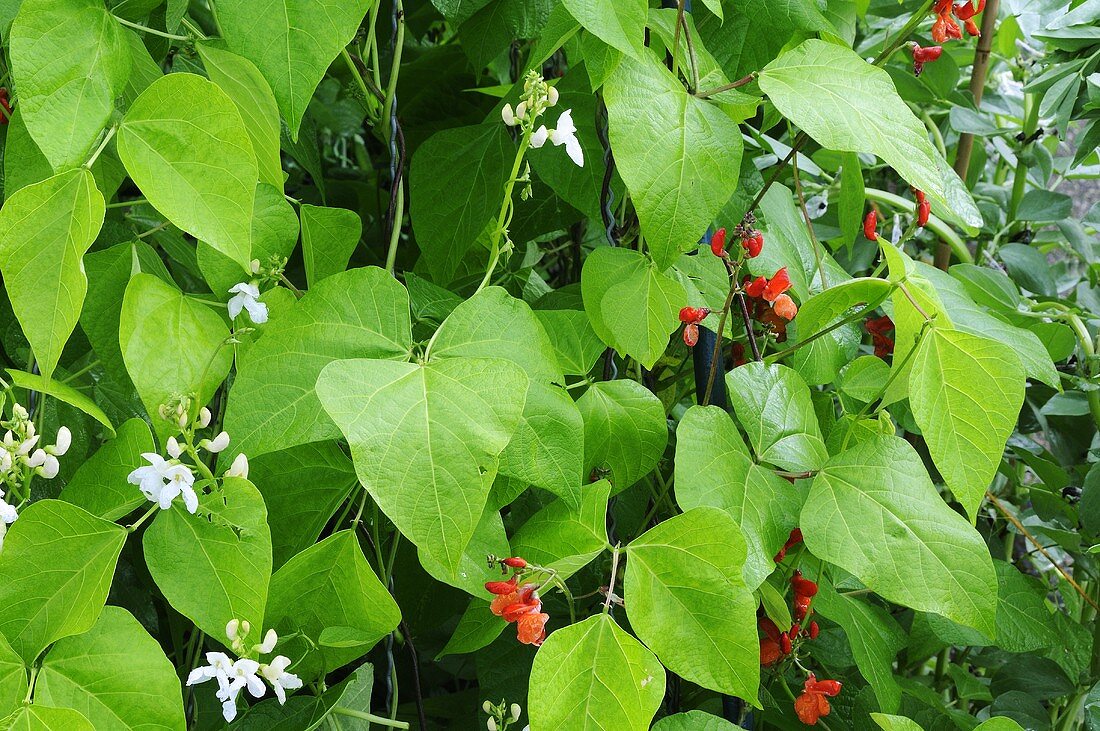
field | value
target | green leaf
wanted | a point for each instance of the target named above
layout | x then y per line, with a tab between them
625	431
426	439
99	484
851	203
895	723
593	676
693	721
245	85
755	31
477	628
630	302
43	718
773	405
543	451
873	511
361	313
69	61
61	392
566	538
329	585
688	602
274	236
329	236
213	566
302	487
1024	622
663	142
875	639
848	105
618	23
173	347
292	43
575	343
45	229
13	679
489	538
714	468
456	187
965	392
55	570
193	161
115	674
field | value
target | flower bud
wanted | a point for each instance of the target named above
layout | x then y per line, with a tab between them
521	110
19	412
254	265
551	96
232	629
487	707
204	417
216	444
491	724
516	710
270	640
515	562
173	448
239	468
182	420
507	115
64	440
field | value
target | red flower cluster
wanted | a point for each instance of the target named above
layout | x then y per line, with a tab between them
752	241
946	27
6	104
878	327
814	703
804	592
774	291
870	223
923	55
794	539
753	244
924	208
776	645
691	317
519	603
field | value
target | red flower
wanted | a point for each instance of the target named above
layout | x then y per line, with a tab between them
879	325
770	653
794	539
691	334
753	244
968	10
531	628
884	346
785	307
515	562
693	315
923	55
803	587
777	285
501	588
737	354
870	223
813	704
6	114
718	242
756	287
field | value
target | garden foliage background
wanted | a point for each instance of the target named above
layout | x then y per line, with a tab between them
314	311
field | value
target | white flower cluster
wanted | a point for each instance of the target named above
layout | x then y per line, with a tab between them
246	297
244	672
538	96
21	458
163	480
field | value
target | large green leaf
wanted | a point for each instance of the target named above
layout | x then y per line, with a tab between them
593	676
173	347
45	229
302	487
714	468
426	439
329	236
193	161
242	81
630	302
44	718
665	148
62	392
55	571
329	585
70	61
566	538
873	511
966	392
99	484
693	721
547	448
115	674
456	188
618	23
13	679
625	431
753	32
356	314
213	566
848	105
773	405
292	43
1024	622
687	600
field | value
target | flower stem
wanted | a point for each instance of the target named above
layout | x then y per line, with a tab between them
611	583
151	31
137	524
363	715
102	146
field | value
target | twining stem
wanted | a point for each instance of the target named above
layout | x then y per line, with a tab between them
150	31
1035	542
809	223
611	583
692	58
505	209
713	371
395	66
726	87
363	715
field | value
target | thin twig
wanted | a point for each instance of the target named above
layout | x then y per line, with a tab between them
693	60
748	325
416	676
726	87
809	223
1035	542
716	353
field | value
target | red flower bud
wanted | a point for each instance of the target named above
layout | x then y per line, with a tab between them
924	209
691	334
870	223
6	114
501	587
753	244
785	307
718	242
814	630
755	288
515	562
923	55
785	643
802	586
693	315
794	630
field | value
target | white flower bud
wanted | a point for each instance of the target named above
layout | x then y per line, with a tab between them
516	710
246	627
64	440
49	468
491	724
232	629
19	412
270	640
37	458
487	707
173	448
182	419
204	417
254	265
521	110
551	96
239	468
216	444
507	115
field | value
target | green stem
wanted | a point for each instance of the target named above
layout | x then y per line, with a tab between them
395	68
1092	365
1019	183
871	307
935	225
81	372
102	146
126	204
151	31
903	35
395	234
363	715
137	523
186	22
611	583
934	130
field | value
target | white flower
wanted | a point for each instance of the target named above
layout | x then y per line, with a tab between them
64	440
49	467
239	468
173	448
246	297
204	417
8	513
216	444
270	640
280	680
817	206
37	458
162	481
508	116
219	667
5	463
539	136
243	675
566	134
551	96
